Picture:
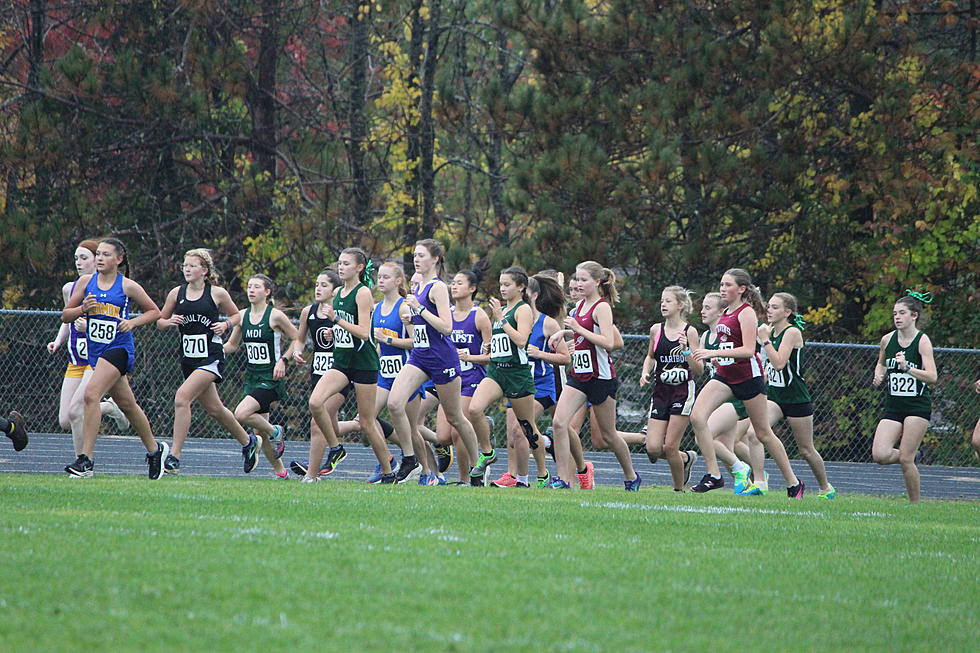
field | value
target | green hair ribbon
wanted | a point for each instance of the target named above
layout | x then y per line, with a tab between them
924	297
798	322
368	272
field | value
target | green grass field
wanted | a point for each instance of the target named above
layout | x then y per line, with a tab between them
194	564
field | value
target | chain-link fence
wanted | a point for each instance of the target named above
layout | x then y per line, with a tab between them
847	406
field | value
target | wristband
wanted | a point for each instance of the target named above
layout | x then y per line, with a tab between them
422	308
388	340
284	359
767	342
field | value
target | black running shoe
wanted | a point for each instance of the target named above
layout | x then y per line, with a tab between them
333	459
18	432
707	483
154	461
171	465
550	443
388	479
405	470
444	457
299	467
250	453
83	467
692	457
477	481
796	492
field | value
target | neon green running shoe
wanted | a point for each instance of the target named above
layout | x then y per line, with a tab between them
544	481
741	481
484	461
831	493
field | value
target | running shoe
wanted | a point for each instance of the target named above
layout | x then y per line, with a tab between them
310	479
334	458
708	483
634	485
558	484
742	481
279	440
586	480
377	475
299	467
505	480
549	442
250	453
408	470
519	484
756	489
478	481
692	457
796	492
831	493
283	474
440	479
484	461
543	481
387	479
444	457
423	479
171	465
18	432
154	461
117	415
83	467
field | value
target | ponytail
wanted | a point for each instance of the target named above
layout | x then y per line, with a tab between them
361	258
605	277
551	298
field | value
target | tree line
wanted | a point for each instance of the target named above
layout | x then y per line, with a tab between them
827	146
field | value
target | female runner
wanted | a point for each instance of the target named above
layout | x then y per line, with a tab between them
195	307
738	374
907	366
103	297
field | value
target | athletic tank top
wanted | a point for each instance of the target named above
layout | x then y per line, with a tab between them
542	370
709	366
77	343
426	339
103	320
199	345
262	344
672	367
350	352
729	332
321	335
904	393
392	358
589	361
786	386
466	336
504	352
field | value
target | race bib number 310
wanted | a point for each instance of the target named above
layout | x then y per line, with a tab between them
500	346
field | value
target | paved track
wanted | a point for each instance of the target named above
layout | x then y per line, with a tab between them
48	453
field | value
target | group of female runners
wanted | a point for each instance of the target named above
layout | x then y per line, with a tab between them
430	344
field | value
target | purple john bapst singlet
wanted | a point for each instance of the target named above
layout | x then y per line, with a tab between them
432	352
466	336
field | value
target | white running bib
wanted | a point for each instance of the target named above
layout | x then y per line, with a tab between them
901	384
257	353
777	378
420	336
465	366
390	366
195	346
322	362
582	361
500	346
342	337
722	362
81	348
101	331
674	376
